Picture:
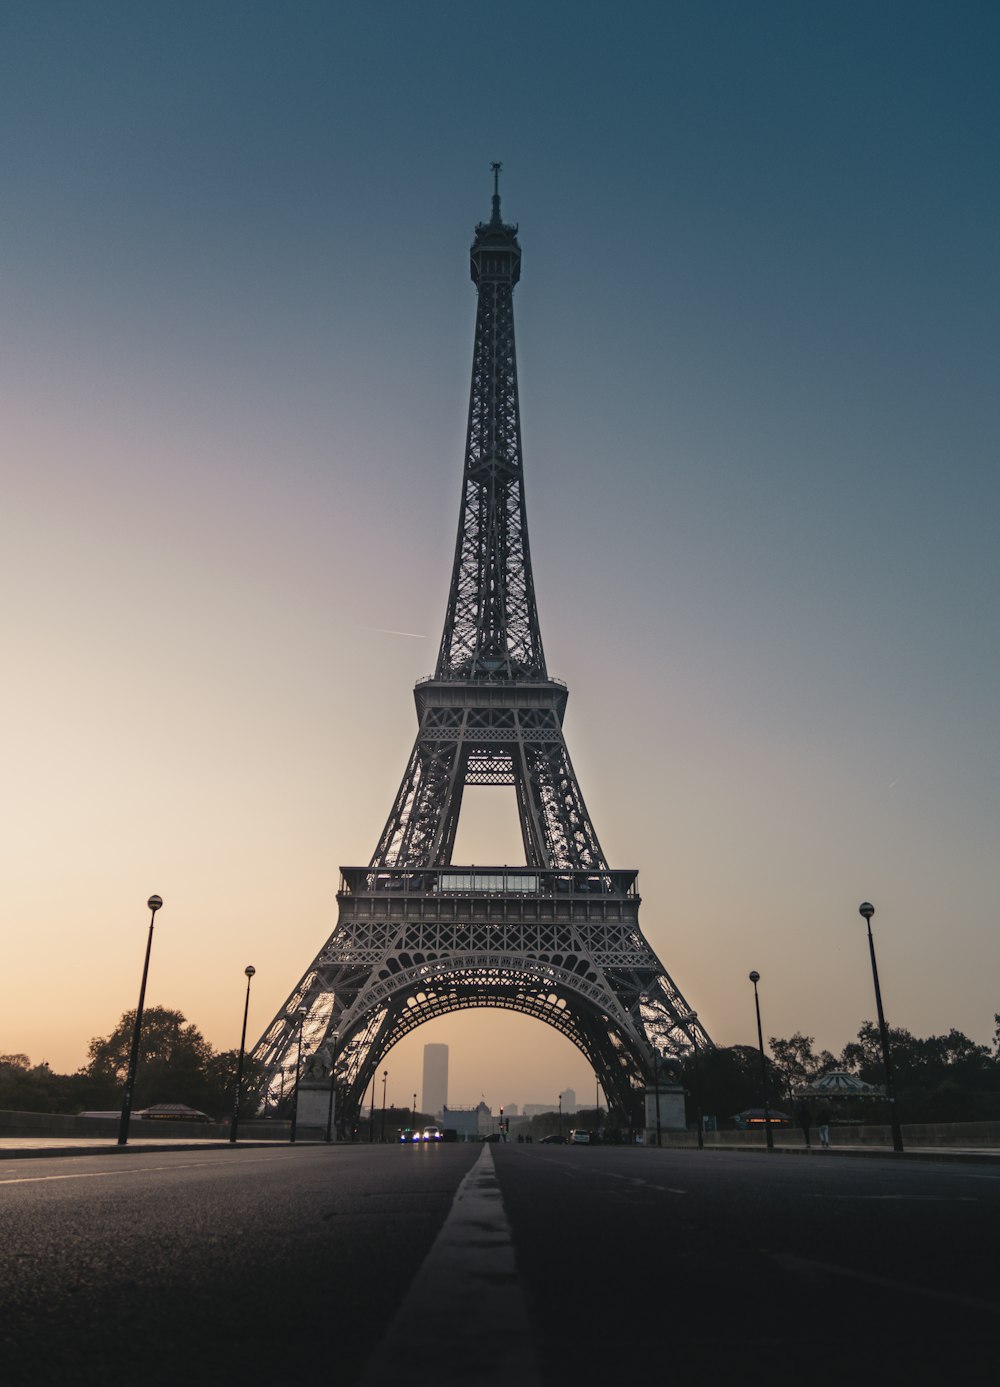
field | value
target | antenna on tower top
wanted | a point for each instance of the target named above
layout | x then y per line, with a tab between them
496	167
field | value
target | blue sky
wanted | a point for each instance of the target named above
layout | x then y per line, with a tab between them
758	352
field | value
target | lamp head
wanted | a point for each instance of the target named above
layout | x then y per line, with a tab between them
866	909
154	903
755	977
249	970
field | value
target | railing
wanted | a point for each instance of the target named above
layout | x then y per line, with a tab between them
489	679
486	881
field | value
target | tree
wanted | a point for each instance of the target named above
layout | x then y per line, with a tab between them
795	1058
940	1078
175	1062
729	1080
25	1087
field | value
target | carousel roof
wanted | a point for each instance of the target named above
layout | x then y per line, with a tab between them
839	1084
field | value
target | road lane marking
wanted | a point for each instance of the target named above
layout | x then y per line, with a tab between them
124	1170
803	1266
634	1180
466	1295
611	1175
906	1198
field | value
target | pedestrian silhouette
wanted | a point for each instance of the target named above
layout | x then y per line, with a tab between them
823	1122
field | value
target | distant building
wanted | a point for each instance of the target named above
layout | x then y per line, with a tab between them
511	1110
470	1123
533	1109
569	1103
435	1095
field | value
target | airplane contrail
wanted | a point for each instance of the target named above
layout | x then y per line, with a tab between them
387	631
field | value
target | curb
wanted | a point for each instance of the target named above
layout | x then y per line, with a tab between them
23	1153
856	1152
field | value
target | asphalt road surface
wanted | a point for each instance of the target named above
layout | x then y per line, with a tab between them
553	1265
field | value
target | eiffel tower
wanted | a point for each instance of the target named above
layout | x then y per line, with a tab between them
418	936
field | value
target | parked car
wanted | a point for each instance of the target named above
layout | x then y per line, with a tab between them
552	1140
579	1137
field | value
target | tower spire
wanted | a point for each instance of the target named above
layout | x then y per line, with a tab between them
495	220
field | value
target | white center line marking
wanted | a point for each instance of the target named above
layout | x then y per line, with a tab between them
466	1295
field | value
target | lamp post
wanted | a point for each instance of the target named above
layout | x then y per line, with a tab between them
691	1019
301	1013
249	970
560	1117
385	1076
867	910
333	1086
755	979
371	1111
154	904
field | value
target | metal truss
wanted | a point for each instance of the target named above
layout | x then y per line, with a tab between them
491	627
417	937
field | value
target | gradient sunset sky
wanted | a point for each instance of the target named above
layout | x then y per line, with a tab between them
758	351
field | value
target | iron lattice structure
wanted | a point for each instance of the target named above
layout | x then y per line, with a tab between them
416	936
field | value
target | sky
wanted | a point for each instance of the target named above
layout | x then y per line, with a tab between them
757	347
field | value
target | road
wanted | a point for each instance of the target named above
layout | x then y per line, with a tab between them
254	1266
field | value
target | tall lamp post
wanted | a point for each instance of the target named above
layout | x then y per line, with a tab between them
333	1086
656	1085
249	970
154	904
385	1077
560	1117
301	1013
867	910
691	1019
755	979
371	1111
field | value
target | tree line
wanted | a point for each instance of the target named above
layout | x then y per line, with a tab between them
938	1078
176	1065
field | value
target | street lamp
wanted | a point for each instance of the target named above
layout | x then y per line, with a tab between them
154	904
385	1076
691	1020
755	979
249	970
301	1013
560	1117
333	1084
867	910
656	1085
371	1111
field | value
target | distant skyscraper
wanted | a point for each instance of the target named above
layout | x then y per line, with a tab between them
435	1079
569	1103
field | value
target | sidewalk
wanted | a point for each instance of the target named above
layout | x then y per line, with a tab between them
972	1154
18	1148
